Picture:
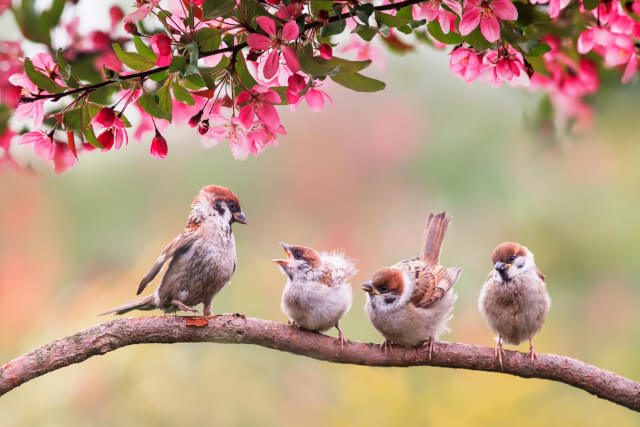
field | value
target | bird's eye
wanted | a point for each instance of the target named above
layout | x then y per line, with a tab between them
232	206
297	253
511	258
383	288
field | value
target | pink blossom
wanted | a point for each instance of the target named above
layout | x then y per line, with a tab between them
326	52
10	63
259	102
115	15
161	45
114	133
159	148
504	64
42	143
593	38
365	51
141	12
487	13
465	63
63	158
5	139
555	6
298	89
4	5
432	10
276	41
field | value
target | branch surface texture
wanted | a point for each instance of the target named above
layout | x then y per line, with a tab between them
236	329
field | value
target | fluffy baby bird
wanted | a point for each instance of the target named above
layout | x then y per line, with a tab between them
318	293
202	258
514	298
411	302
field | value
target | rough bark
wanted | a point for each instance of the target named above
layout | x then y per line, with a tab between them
235	329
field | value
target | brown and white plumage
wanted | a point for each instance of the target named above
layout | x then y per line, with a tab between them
411	301
201	259
514	299
317	293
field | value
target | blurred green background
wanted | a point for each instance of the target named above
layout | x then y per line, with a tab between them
361	176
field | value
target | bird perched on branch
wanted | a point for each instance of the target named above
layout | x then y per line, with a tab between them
317	293
514	299
411	302
202	258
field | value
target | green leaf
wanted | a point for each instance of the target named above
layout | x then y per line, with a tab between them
366	33
182	95
133	60
436	32
590	4
39	79
333	29
317	66
52	16
318	5
208	39
404	25
165	99
217	8
76	119
150	104
65	68
358	82
363	12
178	64
144	50
537	49
243	73
477	40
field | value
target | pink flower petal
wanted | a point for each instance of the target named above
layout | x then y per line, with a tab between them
631	69
272	64
291	58
258	41
470	20
267	24
63	158
246	116
490	28
268	115
290	31
315	100
504	9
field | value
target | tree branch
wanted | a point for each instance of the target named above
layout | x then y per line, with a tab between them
235	329
232	49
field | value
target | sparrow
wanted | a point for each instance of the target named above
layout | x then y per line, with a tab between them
317	293
202	258
514	299
411	302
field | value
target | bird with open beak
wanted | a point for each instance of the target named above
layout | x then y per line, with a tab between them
317	293
514	298
202	257
411	302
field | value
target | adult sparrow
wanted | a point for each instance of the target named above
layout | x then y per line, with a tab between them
317	293
514	298
411	302
202	258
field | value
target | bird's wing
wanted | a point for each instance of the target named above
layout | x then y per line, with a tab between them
541	275
432	284
180	243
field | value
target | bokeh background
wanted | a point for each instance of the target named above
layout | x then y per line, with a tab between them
360	176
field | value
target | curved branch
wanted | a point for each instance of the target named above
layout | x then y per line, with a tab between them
236	329
233	49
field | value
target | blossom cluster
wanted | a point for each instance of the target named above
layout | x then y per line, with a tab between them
225	67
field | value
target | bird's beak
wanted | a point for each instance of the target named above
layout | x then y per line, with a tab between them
502	269
284	266
287	248
240	217
367	287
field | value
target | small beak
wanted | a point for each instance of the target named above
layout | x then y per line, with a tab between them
286	247
240	217
502	269
367	287
281	262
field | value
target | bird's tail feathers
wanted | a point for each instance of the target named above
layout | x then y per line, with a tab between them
434	232
146	303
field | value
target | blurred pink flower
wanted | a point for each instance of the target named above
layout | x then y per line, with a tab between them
486	13
298	89
63	158
42	143
555	6
143	9
504	64
161	45
114	134
276	41
465	63
432	10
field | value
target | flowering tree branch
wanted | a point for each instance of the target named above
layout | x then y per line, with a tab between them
224	66
236	329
